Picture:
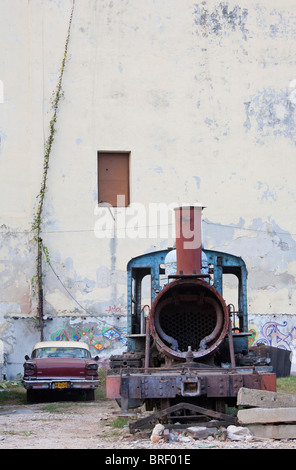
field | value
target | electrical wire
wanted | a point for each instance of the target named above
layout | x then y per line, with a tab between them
107	230
73	298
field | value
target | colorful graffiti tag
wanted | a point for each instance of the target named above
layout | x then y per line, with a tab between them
252	338
119	309
274	334
97	340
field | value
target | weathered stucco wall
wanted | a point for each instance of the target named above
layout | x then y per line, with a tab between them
202	94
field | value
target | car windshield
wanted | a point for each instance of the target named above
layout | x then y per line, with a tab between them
78	353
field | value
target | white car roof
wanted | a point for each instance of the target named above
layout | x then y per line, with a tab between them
60	344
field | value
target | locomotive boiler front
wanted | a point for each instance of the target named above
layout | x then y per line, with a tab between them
188	315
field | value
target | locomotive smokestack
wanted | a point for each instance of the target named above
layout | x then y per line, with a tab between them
188	239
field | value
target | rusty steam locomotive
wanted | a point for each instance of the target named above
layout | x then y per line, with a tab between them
190	346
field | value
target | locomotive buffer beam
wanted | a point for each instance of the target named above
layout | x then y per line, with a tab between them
148	422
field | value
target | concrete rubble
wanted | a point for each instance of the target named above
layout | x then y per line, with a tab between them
199	433
238	433
157	432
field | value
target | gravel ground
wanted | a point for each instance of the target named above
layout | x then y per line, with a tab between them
87	425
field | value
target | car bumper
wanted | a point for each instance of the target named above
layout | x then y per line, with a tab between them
59	384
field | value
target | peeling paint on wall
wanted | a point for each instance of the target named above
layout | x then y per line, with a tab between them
269	253
220	21
272	112
16	271
276	23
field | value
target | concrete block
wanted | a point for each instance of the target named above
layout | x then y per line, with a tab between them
273	431
264	399
266	415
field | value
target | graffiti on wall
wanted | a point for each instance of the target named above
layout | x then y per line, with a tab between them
97	339
274	334
116	309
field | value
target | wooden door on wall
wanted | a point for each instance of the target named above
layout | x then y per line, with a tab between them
113	177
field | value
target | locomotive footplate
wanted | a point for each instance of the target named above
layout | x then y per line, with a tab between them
168	383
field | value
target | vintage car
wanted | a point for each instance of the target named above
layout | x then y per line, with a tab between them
60	366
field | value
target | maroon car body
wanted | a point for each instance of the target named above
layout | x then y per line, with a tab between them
60	366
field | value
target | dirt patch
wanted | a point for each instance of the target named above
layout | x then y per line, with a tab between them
90	425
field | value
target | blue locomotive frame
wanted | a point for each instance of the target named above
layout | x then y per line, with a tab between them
152	264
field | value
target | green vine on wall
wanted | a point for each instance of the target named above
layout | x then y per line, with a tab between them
37	219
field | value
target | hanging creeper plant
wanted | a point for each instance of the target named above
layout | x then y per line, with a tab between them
37	220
